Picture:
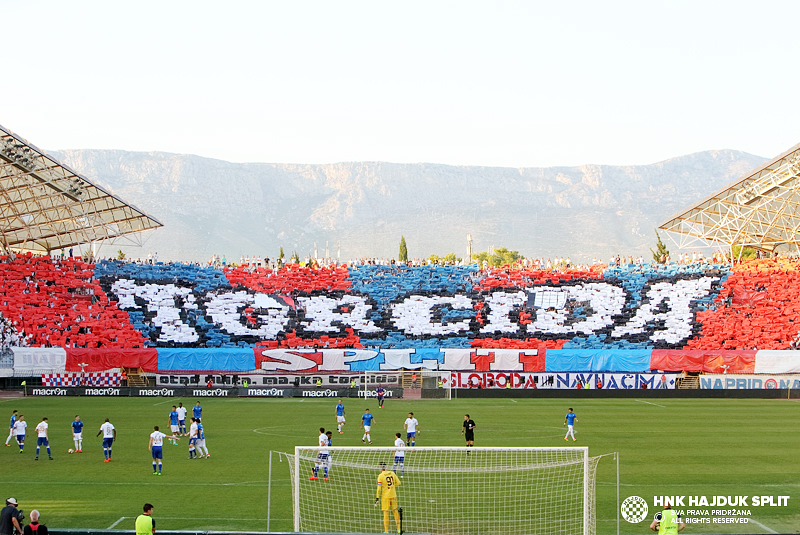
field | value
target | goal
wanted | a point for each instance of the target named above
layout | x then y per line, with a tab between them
448	490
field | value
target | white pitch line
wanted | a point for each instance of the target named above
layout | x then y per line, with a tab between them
762	526
117	522
656	404
162	402
514	400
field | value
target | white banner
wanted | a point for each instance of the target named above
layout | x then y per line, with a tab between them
563	381
768	361
36	360
748	382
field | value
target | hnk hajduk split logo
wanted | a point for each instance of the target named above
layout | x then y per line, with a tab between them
634	509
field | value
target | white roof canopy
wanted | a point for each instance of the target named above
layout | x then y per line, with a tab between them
759	210
45	205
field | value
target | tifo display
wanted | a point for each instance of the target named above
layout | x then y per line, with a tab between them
72	304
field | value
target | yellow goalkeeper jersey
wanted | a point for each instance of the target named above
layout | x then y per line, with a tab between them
387	483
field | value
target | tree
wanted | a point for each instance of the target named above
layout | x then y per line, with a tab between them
295	257
503	256
500	257
661	252
742	254
403	255
120	255
281	256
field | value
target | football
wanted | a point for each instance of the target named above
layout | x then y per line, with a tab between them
70	450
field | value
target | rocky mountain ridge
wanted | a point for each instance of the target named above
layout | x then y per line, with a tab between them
215	207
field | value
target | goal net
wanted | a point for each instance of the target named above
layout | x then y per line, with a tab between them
447	490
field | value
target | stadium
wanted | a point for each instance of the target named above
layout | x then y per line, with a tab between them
686	364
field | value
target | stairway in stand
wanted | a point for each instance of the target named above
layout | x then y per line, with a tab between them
135	377
690	382
408	391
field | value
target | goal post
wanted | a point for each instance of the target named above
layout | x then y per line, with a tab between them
447	490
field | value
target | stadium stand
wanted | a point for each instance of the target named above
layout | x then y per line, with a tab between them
108	309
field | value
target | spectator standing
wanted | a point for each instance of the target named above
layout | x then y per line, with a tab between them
34	528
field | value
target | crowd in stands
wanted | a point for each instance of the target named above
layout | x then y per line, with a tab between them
65	301
59	303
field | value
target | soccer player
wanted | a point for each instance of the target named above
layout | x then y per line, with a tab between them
193	439
380	392
366	423
182	418
387	496
19	431
42	439
14	421
399	455
340	416
322	456
411	424
468	430
173	423
569	421
329	434
197	412
77	434
201	441
155	447
109	433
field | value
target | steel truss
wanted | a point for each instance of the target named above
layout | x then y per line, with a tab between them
760	210
44	205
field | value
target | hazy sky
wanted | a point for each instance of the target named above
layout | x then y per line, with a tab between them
497	84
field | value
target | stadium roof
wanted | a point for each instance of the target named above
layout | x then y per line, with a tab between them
759	210
45	205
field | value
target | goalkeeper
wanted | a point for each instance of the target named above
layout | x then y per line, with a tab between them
387	496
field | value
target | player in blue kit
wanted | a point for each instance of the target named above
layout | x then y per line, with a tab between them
77	434
329	434
173	424
14	421
201	441
197	412
340	416
366	423
569	421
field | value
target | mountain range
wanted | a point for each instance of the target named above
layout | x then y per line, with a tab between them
361	209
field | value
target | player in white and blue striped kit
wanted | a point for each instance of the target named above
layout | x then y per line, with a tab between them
322	456
399	455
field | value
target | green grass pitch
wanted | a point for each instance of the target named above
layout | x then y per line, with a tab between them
667	447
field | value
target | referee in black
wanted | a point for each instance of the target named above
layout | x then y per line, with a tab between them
468	430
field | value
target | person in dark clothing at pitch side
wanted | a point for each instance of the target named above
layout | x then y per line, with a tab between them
34	528
9	518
